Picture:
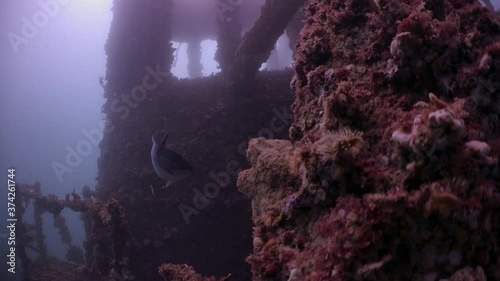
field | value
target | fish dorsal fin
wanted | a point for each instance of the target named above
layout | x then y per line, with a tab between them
164	140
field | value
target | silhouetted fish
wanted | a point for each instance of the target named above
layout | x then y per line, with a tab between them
168	164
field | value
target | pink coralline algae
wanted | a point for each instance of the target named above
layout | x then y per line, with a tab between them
183	272
392	168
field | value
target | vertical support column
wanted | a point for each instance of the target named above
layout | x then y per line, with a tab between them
229	31
160	48
140	37
195	68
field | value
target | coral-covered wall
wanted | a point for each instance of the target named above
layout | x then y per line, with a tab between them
392	172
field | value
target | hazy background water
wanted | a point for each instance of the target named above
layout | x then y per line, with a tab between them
49	94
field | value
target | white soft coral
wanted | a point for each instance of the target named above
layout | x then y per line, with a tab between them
433	128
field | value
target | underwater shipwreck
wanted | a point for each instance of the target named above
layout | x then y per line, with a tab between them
375	157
